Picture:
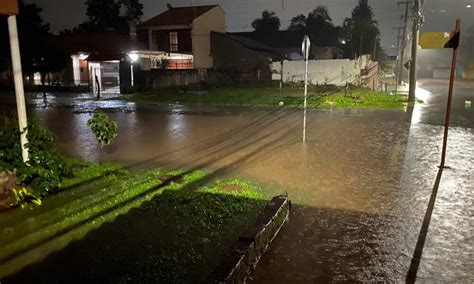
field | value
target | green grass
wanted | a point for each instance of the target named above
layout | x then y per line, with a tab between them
271	96
181	227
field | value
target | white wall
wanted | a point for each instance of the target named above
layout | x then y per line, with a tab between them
333	72
212	20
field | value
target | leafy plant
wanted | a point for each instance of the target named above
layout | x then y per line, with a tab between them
104	129
46	167
23	196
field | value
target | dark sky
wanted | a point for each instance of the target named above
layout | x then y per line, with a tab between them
240	13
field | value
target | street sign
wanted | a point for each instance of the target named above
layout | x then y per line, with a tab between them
305	47
436	40
9	7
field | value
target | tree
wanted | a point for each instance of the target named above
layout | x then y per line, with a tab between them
318	26
361	31
38	53
298	23
110	16
269	23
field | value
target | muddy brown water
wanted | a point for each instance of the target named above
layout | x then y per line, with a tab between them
359	186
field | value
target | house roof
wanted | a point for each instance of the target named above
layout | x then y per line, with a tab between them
280	40
178	16
251	44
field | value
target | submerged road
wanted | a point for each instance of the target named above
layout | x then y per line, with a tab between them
359	187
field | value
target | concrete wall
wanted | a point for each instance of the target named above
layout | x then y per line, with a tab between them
322	72
163	78
212	20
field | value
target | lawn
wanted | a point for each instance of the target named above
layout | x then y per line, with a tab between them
119	226
271	96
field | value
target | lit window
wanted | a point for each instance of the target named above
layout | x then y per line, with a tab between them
173	41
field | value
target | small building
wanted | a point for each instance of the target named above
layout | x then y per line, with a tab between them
104	56
247	54
288	43
183	36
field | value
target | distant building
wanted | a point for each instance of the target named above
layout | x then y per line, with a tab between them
183	35
288	43
102	55
247	54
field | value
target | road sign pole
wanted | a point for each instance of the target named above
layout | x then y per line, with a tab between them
19	91
305	51
305	99
450	96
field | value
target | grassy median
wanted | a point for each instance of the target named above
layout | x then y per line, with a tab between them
144	226
272	96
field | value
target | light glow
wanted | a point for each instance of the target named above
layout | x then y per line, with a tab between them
133	56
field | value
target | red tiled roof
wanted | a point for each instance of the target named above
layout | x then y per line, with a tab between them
178	16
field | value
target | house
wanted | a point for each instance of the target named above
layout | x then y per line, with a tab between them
250	60
102	55
247	54
183	35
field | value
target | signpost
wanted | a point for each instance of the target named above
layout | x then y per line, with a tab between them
445	40
305	50
10	8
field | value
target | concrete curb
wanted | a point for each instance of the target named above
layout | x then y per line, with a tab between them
240	262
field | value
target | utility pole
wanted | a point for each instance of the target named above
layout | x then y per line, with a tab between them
417	22
403	42
397	72
10	8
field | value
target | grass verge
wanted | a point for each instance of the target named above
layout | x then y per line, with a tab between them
270	96
143	226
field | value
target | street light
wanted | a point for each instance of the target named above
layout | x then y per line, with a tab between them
133	57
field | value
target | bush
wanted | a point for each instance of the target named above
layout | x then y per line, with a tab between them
104	129
45	168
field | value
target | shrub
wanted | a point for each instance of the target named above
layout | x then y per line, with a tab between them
45	168
104	129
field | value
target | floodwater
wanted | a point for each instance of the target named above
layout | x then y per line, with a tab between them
359	187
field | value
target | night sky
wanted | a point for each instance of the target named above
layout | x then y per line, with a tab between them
240	13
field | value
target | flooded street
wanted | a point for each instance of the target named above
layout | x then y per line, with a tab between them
359	187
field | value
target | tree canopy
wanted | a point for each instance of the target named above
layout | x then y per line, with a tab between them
318	26
110	16
361	31
38	53
269	23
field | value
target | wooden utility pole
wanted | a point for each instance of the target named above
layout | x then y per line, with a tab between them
417	22
403	40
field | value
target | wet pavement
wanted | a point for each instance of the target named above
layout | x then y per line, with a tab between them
360	185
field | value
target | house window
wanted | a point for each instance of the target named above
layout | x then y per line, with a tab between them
173	41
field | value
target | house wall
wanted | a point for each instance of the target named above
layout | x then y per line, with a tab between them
213	20
242	59
161	40
152	41
322	72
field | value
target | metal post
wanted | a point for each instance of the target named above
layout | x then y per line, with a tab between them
414	51
19	91
450	97
305	99
131	73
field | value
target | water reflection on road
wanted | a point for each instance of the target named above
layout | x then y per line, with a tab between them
359	186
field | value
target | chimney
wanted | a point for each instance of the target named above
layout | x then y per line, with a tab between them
169	6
